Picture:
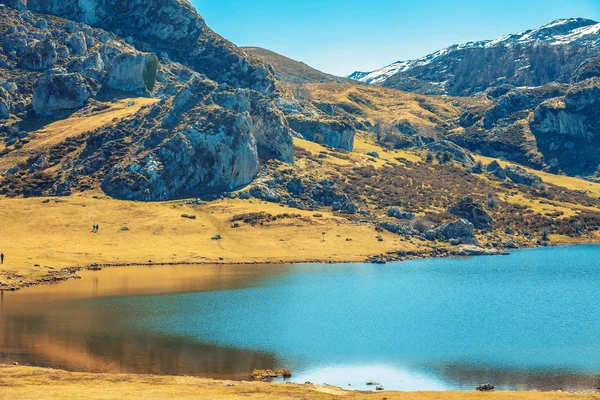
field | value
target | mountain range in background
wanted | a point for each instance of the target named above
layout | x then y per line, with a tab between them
533	57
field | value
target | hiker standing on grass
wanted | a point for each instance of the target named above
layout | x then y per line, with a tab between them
1	258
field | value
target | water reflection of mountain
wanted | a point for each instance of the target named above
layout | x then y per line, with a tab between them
82	325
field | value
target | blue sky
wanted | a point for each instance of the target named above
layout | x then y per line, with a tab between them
341	36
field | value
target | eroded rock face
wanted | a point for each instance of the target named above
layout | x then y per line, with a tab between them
20	5
196	149
567	129
520	99
133	72
77	44
572	115
311	123
214	155
329	131
271	131
60	92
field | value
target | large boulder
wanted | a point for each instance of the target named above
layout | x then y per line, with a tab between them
133	72
458	153
473	212
521	176
60	92
461	230
395	212
39	56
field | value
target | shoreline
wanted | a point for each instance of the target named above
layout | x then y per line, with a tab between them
71	273
26	382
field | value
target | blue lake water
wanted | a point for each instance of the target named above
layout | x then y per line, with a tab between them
530	320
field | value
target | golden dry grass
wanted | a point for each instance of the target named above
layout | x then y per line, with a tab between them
57	233
43	139
390	105
567	182
24	383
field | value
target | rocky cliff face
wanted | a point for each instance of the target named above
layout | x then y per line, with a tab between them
172	27
200	145
216	121
567	129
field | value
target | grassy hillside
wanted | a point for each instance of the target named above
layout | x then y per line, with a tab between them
38	249
288	70
54	133
428	115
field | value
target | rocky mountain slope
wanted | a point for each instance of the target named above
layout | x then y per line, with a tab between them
217	118
529	58
520	84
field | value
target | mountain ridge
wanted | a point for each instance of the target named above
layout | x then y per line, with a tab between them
574	32
289	70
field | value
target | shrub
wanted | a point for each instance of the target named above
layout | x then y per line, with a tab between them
421	224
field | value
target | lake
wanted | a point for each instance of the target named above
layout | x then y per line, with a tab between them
530	320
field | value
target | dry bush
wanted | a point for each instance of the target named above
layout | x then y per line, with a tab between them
300	91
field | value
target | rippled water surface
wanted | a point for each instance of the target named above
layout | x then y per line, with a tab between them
530	320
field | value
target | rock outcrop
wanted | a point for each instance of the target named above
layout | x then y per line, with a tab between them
460	230
133	72
520	99
395	212
59	92
39	56
172	27
324	130
215	124
5	103
311	123
521	176
567	129
456	152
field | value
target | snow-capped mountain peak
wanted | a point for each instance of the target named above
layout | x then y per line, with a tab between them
560	32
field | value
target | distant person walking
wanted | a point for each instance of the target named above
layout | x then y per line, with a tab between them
1	258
